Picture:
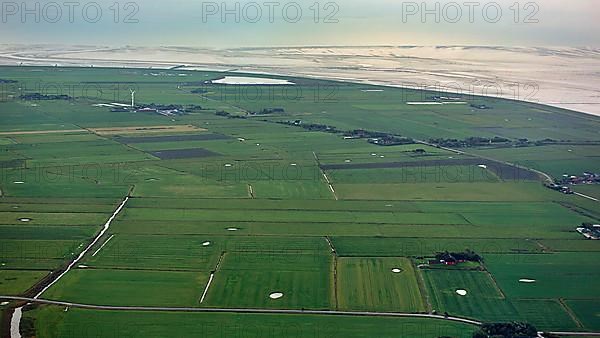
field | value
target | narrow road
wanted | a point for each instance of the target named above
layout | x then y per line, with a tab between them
235	310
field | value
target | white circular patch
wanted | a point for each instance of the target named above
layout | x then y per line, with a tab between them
347	161
19	182
206	244
461	292
228	165
4	303
232	229
527	280
24	219
276	295
396	270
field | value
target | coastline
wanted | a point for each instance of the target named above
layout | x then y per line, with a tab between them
488	78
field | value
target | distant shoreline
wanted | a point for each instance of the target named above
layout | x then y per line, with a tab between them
213	60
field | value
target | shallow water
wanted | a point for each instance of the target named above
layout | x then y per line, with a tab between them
15	323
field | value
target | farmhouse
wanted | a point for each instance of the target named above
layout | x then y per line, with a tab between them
590	231
585	178
562	188
453	258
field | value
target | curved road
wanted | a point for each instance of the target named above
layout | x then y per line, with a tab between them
234	310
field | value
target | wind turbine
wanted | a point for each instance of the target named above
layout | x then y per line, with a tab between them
132	98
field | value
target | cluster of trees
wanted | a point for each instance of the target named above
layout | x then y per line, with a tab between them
390	140
40	97
171	106
588	225
228	115
523	142
469	142
506	330
199	91
501	141
361	133
480	106
268	111
374	137
312	126
467	256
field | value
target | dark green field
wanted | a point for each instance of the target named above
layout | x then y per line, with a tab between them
229	206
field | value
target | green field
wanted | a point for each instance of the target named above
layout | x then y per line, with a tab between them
260	204
130	287
483	300
370	284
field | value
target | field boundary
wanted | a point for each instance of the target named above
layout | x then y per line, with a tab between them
327	181
335	270
570	312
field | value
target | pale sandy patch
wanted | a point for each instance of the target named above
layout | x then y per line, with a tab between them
251	81
145	129
33	132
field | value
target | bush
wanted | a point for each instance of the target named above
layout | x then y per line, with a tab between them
506	330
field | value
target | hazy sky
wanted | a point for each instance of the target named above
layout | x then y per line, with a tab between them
344	22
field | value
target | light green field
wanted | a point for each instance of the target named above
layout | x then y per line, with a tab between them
130	287
557	275
369	284
521	192
423	174
587	311
483	299
15	282
413	247
556	159
247	279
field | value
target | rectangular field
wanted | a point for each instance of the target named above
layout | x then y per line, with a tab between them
483	298
248	280
130	287
372	284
